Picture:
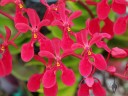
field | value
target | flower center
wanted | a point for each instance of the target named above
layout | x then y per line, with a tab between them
2	48
89	52
35	35
69	29
58	64
21	6
55	9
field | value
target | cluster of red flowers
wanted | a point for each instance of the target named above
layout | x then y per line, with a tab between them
56	49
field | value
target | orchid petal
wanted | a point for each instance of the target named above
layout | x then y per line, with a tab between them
108	27
85	67
98	37
44	22
120	25
51	91
46	54
94	26
83	90
76	46
122	2
34	82
2	69
33	17
68	77
118	7
49	79
103	9
6	63
84	36
62	13
74	15
57	22
118	52
38	58
66	53
4	2
99	61
19	18
111	69
22	27
89	81
98	89
46	45
102	44
56	46
66	42
27	52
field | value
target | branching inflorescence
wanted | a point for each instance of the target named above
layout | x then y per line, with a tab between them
56	49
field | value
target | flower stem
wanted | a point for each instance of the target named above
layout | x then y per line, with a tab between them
87	8
108	57
93	71
77	56
16	35
7	15
91	2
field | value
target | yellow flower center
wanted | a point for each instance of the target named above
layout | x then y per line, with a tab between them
21	6
58	64
89	52
35	35
55	9
2	48
69	29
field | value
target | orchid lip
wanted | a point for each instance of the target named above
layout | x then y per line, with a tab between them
68	29
89	52
55	9
21	6
58	64
2	48
35	35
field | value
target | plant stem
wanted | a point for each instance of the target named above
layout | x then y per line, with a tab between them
7	15
77	56
16	35
108	57
87	8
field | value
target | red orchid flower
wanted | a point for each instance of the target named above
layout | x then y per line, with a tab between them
17	2
19	17
66	22
49	78
34	84
6	59
61	15
53	11
35	81
93	85
96	38
116	6
83	42
27	51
